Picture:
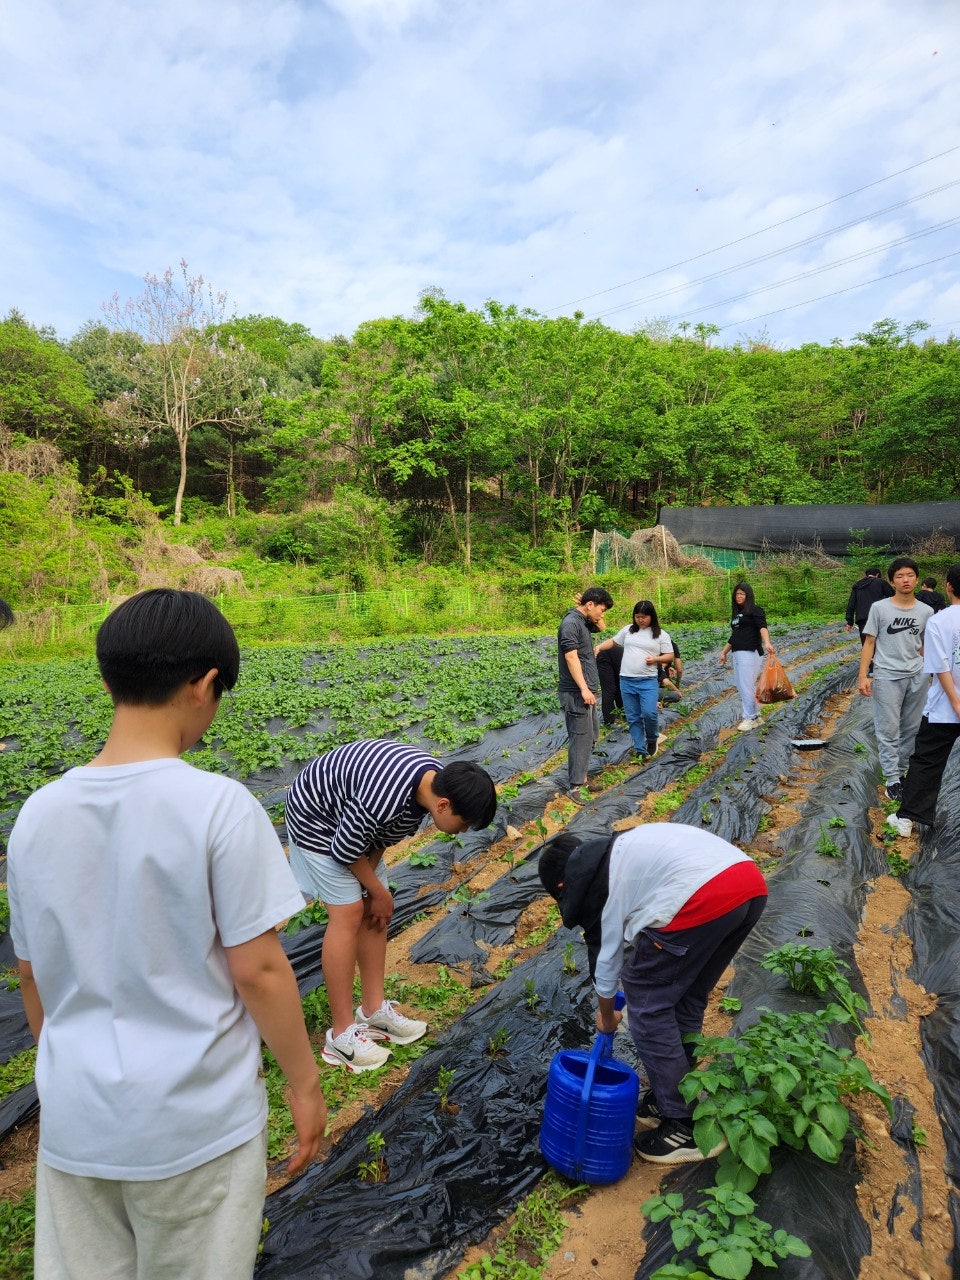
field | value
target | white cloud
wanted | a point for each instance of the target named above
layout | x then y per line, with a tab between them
326	161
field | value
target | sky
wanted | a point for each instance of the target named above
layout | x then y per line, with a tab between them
788	173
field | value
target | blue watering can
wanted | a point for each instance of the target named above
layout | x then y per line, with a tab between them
589	1113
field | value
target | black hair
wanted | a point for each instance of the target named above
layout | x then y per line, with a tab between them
159	640
6	615
553	862
597	595
929	583
872	572
646	606
953	577
902	562
470	790
748	602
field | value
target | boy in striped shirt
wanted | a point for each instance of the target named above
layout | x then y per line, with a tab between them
343	810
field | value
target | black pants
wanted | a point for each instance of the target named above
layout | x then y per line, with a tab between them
667	981
608	668
921	786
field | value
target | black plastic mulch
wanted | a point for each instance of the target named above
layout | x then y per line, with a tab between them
451	1177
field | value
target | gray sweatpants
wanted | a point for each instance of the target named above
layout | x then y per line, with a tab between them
897	712
583	728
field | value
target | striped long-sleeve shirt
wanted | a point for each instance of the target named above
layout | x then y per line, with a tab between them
357	799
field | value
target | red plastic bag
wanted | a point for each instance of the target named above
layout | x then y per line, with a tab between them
773	685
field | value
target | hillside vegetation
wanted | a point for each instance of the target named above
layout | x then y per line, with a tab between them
461	456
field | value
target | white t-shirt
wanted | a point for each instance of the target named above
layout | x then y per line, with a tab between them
654	870
637	647
125	885
941	653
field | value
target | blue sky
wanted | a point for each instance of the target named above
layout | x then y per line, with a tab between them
327	160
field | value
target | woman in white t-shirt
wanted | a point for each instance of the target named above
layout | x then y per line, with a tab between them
645	645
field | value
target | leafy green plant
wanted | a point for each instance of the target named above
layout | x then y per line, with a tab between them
374	1168
897	864
535	1233
729	1004
465	896
569	960
827	847
497	1043
422	858
860	749
531	997
918	1135
313	913
17	1071
727	1234
837	821
442	1090
816	971
547	929
781	1081
17	1227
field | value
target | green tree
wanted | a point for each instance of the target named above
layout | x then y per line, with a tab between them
43	392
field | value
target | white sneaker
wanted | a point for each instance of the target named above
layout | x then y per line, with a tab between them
353	1049
902	826
747	724
389	1024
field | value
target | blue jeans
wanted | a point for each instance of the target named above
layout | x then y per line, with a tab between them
640	704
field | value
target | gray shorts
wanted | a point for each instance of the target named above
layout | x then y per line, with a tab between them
200	1225
320	876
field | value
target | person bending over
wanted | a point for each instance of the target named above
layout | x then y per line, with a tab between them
343	810
684	901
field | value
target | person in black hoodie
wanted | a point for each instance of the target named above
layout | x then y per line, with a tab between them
684	900
865	592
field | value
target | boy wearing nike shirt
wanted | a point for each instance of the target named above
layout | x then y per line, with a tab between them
893	642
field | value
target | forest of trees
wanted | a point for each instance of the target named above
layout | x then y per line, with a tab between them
438	428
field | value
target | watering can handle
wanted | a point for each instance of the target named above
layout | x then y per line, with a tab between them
602	1048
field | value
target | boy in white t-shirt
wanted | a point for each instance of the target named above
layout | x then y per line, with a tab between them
940	726
144	896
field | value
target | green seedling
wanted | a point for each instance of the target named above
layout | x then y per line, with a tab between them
505	968
569	962
531	997
827	847
446	837
837	822
860	749
466	896
897	864
374	1169
497	1043
918	1135
313	913
706	813
547	929
442	1090
816	971
729	1004
729	1237
422	858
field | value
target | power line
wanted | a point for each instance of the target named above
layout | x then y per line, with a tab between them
837	292
774	253
752	234
814	271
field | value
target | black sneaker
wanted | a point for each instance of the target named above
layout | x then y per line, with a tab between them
894	791
672	1143
649	1115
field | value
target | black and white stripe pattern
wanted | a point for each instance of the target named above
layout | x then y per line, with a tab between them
357	799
